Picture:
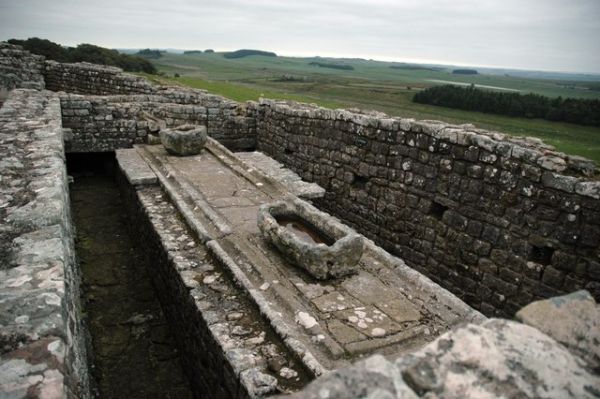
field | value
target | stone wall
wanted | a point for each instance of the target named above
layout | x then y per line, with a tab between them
42	340
85	78
19	69
499	221
105	123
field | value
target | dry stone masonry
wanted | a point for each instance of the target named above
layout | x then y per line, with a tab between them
499	221
19	68
507	225
42	348
86	78
105	123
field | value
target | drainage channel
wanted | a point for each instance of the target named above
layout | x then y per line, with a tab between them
133	354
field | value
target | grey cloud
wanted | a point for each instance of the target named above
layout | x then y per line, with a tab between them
534	34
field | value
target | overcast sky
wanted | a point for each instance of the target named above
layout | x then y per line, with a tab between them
560	35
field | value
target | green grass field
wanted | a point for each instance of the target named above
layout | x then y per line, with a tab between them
373	85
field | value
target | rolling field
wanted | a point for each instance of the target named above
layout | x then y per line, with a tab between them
373	85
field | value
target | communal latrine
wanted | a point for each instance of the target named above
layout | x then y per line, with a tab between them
132	352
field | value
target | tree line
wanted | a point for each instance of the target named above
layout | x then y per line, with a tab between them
85	53
246	53
343	67
465	72
572	110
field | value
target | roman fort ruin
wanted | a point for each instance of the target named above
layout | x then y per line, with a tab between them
304	251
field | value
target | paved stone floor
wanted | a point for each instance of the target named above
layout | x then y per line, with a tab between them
290	180
133	353
374	310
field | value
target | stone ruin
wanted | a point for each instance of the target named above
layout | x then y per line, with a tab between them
479	273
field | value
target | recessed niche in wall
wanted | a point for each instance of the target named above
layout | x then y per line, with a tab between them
437	210
360	182
541	254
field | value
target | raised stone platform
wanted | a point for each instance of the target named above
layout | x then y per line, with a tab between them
385	307
278	171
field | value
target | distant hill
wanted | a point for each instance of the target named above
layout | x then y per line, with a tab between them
465	72
332	66
85	52
246	53
192	52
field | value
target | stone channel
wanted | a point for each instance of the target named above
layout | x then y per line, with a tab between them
133	354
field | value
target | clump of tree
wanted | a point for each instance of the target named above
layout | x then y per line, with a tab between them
246	53
290	78
572	110
413	67
593	86
192	52
85	53
344	67
147	53
48	49
209	51
465	72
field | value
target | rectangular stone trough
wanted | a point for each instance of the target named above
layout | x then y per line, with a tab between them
306	239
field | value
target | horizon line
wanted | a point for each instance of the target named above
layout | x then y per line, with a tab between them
378	58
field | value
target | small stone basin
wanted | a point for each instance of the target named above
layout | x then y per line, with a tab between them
309	238
184	140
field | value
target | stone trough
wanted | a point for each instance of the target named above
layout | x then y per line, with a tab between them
308	240
184	140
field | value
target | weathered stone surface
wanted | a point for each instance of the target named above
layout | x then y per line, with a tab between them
276	170
589	189
497	358
184	140
572	320
322	260
559	182
86	78
42	350
19	69
552	163
423	309
135	169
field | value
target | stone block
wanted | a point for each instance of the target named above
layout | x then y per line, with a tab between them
573	320
184	140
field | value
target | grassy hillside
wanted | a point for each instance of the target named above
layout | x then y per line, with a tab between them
374	85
